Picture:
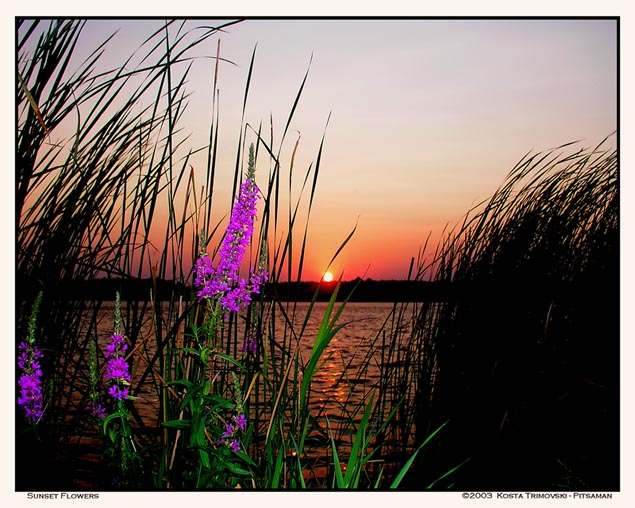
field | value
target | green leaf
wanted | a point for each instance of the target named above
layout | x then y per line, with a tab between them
229	359
407	465
105	424
246	458
191	350
275	481
177	424
447	474
192	392
236	469
184	382
218	402
358	450
337	478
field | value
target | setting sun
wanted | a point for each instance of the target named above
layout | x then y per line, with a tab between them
328	277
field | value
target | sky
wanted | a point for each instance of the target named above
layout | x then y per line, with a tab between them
426	117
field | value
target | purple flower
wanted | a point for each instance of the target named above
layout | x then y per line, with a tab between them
229	434
241	421
118	393
249	344
223	281
96	409
30	382
229	430
117	344
117	367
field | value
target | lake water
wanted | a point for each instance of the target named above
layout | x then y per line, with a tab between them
345	360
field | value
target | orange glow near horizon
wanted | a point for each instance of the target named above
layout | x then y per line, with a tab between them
327	277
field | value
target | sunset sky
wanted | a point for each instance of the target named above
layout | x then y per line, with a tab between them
427	116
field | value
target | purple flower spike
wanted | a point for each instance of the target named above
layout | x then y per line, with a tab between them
223	282
30	382
117	367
